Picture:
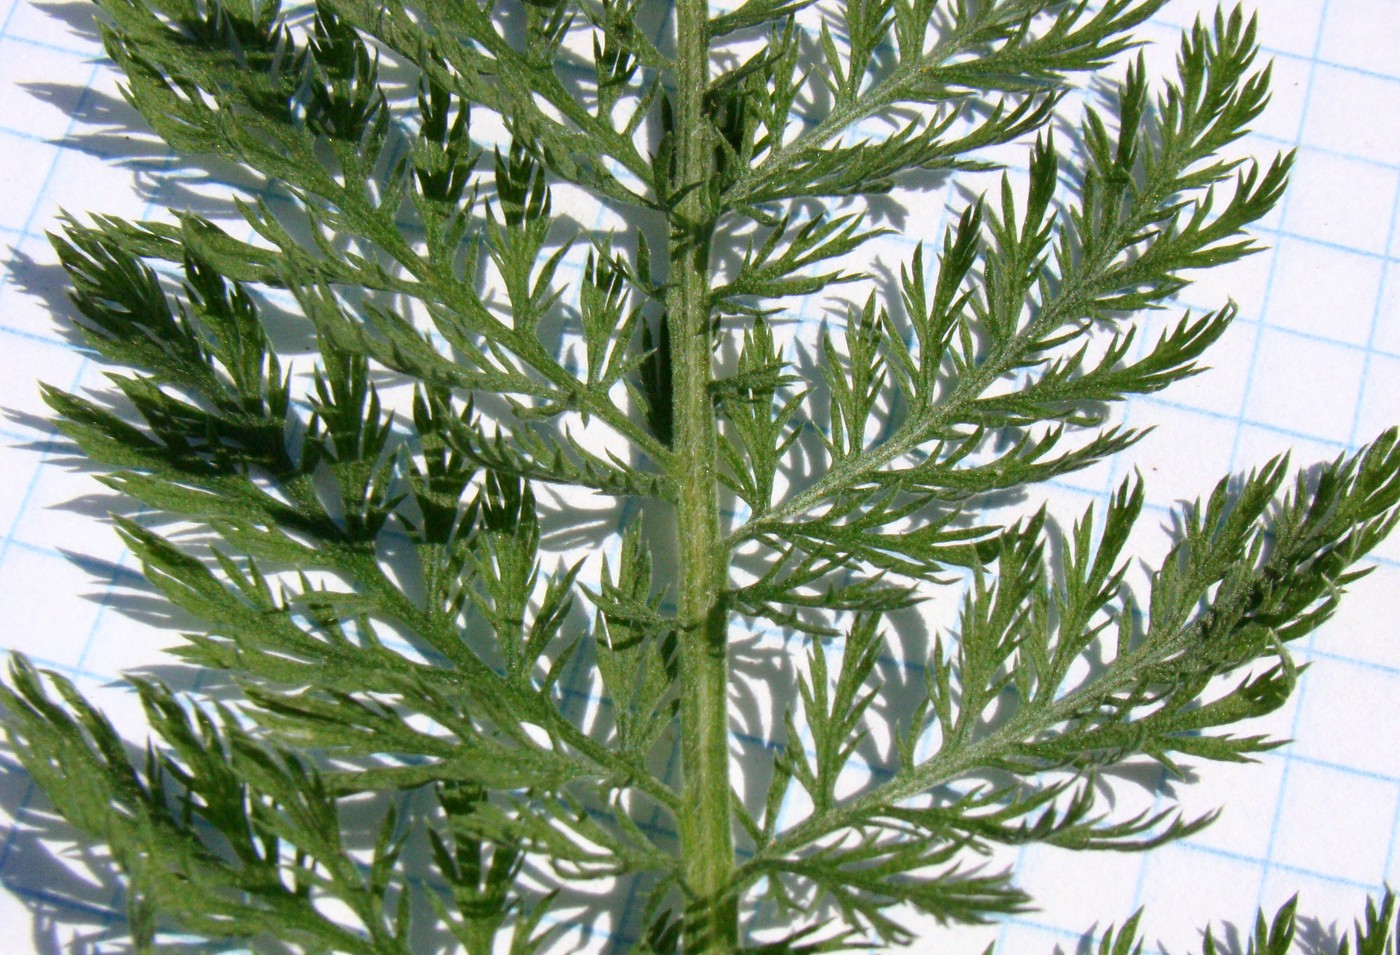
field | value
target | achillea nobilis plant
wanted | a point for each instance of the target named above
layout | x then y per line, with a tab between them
362	528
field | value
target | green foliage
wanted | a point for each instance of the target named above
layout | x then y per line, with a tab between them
1375	934
367	532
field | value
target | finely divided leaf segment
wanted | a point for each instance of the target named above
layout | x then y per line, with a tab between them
361	527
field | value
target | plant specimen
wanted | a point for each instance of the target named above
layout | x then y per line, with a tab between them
362	528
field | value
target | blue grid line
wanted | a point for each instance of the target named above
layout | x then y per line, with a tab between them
1362	389
1169	31
1382	668
1192	847
1326	243
1318	874
7	847
76	906
24	134
1345	769
9	18
5	546
46	341
32	43
69	669
1377	313
1269	862
1277	54
1242	420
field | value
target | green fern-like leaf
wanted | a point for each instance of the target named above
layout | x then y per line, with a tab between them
384	538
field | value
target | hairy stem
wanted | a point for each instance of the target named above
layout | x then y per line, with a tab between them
707	841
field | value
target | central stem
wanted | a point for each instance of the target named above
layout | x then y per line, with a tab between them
707	839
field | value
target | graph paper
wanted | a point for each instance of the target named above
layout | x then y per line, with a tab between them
1312	365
